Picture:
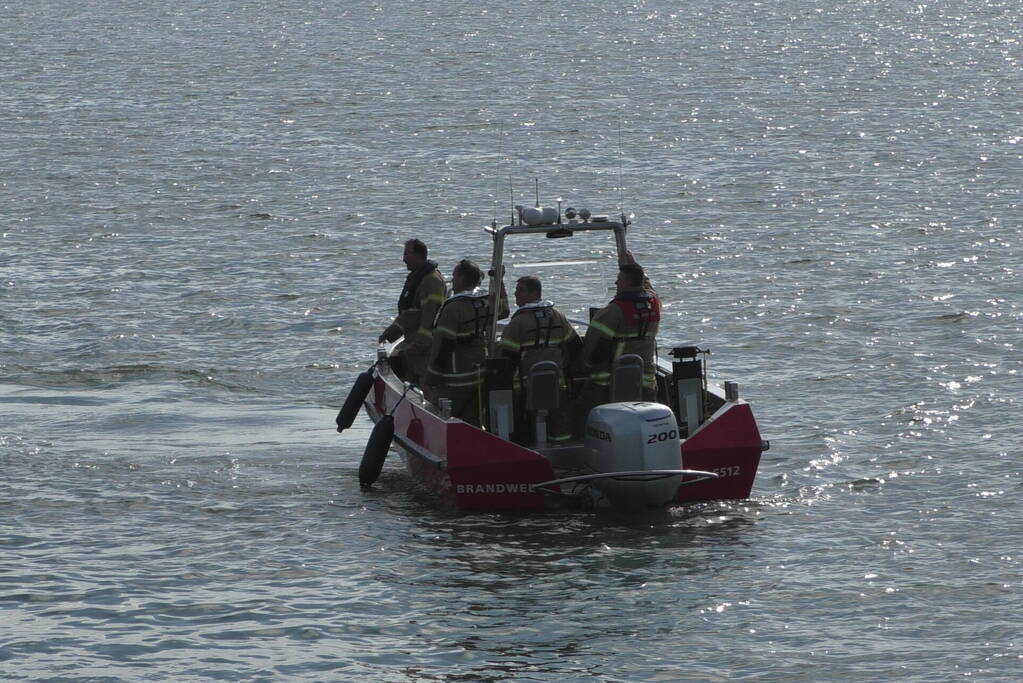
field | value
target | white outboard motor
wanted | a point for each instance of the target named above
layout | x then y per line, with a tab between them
634	437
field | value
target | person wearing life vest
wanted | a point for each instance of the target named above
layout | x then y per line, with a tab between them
539	332
459	344
627	325
418	304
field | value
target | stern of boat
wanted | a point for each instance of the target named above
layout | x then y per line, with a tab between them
729	445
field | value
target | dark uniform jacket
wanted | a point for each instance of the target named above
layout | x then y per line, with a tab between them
627	325
538	332
460	339
418	304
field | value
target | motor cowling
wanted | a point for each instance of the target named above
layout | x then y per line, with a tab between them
634	437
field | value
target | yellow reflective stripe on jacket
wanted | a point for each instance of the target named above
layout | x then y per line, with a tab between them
460	384
445	331
602	328
461	379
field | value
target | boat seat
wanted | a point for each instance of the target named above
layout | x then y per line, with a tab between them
543	394
627	379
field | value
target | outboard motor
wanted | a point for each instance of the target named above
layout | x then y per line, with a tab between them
634	437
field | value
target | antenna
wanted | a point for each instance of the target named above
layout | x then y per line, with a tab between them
621	191
500	151
507	163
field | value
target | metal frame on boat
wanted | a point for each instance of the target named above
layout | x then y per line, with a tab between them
482	468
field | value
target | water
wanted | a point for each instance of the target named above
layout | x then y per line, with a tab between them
202	213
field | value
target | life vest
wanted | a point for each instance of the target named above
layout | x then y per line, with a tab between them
540	333
641	309
407	299
471	329
539	337
636	335
462	345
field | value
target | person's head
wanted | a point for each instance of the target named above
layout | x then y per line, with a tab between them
527	290
466	275
630	276
415	253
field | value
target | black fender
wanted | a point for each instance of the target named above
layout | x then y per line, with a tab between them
376	450
358	394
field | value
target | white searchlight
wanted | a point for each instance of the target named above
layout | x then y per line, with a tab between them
534	216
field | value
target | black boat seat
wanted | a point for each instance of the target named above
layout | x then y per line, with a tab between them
627	379
543	394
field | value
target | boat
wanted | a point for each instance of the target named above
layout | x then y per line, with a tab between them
696	442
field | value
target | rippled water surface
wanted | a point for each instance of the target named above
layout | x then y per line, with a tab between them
202	208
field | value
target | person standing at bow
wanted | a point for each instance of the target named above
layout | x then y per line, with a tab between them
418	304
459	344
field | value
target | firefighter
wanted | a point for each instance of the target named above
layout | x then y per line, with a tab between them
627	325
460	343
418	304
539	332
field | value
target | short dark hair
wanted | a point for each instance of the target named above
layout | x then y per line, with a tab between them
417	246
634	274
531	284
469	272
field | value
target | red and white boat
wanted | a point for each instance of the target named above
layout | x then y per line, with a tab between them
696	443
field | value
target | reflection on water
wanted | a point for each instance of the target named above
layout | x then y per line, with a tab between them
199	250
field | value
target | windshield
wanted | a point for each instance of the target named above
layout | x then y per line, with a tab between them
577	272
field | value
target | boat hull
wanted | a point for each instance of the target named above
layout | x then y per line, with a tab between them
477	470
474	468
729	445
